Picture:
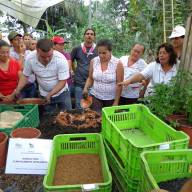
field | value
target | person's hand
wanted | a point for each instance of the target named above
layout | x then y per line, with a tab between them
142	93
2	96
9	98
124	83
143	83
115	103
85	94
48	99
16	94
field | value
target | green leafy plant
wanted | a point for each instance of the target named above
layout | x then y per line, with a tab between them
189	107
159	101
50	32
172	98
188	98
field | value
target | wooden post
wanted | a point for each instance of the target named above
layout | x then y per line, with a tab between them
186	58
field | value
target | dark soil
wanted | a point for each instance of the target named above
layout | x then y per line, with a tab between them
49	127
78	169
21	183
173	185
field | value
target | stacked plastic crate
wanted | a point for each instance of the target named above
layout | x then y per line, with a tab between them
128	131
71	144
30	116
161	166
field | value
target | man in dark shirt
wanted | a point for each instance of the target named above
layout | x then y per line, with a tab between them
83	54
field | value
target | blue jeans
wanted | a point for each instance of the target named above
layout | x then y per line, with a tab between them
78	96
29	91
72	89
62	101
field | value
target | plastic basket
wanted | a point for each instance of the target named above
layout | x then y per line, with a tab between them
117	121
30	119
116	186
123	181
77	144
159	166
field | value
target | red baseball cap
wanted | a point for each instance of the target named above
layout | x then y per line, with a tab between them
58	39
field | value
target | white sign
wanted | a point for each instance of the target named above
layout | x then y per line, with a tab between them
28	156
164	146
89	187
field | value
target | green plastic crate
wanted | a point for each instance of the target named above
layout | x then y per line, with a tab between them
159	166
123	181
116	186
30	119
77	144
132	129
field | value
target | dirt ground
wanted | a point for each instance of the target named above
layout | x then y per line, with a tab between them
75	169
20	183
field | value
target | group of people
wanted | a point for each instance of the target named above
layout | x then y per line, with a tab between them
90	69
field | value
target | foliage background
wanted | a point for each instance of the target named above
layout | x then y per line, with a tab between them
122	21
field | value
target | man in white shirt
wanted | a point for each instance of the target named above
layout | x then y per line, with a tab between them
51	70
177	38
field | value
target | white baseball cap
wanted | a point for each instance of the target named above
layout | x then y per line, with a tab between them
178	31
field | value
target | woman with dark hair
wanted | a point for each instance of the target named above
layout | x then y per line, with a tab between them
160	71
105	72
10	73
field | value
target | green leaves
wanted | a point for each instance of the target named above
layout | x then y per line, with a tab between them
159	102
172	98
50	32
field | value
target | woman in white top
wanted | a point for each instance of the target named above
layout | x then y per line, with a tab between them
160	71
132	64
105	73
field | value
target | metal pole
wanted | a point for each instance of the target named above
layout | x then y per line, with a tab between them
96	11
90	17
172	12
164	28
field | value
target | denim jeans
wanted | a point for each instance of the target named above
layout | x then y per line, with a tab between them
78	96
29	91
62	101
72	89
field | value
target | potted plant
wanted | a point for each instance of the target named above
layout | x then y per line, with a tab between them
3	149
168	100
177	92
159	101
185	125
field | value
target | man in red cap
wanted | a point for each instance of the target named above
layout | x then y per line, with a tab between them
59	46
59	42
